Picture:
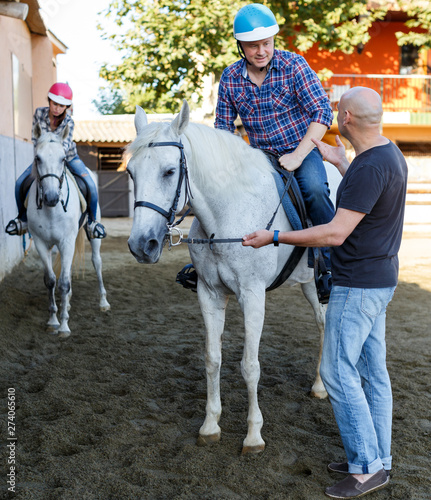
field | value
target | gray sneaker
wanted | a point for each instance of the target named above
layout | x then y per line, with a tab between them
350	487
340	467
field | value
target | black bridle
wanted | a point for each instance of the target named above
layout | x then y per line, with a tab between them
60	179
170	214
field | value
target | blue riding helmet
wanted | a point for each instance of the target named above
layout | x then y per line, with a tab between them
254	22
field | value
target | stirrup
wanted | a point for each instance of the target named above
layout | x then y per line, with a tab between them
16	227
95	230
324	287
188	278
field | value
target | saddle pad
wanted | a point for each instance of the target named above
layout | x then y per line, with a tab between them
81	196
288	206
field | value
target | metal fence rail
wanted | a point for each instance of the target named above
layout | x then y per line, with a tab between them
399	93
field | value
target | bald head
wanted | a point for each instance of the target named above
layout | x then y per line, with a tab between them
364	104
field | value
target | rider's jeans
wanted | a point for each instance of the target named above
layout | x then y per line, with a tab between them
77	167
354	372
313	182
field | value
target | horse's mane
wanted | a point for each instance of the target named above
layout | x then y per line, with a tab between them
220	160
224	160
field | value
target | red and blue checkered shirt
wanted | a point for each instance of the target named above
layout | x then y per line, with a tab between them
277	115
41	116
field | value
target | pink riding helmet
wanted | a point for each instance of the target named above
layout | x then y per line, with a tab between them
61	93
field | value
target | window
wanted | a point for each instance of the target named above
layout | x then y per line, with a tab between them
409	59
111	159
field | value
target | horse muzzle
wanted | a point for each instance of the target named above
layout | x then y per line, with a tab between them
146	250
51	198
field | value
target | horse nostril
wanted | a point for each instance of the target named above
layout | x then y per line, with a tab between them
151	246
51	200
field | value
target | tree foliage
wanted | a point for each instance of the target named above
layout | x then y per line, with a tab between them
168	46
420	13
109	102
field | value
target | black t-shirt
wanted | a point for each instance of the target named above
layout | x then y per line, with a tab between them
374	184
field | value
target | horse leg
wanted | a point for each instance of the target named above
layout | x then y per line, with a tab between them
50	282
97	264
65	287
309	289
253	307
213	309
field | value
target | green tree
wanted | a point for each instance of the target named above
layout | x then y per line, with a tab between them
109	102
169	46
420	13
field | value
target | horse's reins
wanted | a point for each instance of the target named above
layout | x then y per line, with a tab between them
60	180
170	215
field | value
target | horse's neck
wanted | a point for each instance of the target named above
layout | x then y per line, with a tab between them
236	209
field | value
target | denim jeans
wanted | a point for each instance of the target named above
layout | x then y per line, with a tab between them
77	167
354	372
313	183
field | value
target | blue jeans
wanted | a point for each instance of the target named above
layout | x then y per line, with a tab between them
313	183
77	167
354	372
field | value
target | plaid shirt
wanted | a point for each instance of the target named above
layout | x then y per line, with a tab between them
277	116
41	116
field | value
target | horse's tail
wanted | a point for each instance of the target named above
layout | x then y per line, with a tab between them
78	263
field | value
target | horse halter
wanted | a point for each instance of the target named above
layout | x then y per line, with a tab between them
60	179
170	215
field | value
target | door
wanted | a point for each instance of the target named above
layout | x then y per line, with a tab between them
113	193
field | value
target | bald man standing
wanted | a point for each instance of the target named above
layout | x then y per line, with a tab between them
365	234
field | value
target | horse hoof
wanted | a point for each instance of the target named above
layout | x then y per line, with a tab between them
319	394
63	335
249	450
208	440
105	308
53	329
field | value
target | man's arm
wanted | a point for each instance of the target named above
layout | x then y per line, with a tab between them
294	160
225	112
325	235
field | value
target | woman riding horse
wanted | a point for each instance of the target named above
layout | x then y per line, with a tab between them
55	118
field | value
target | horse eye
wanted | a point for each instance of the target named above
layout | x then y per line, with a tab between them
169	172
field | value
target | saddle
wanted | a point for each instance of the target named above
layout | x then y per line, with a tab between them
294	207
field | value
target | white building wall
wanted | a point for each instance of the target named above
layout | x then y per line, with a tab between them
15	156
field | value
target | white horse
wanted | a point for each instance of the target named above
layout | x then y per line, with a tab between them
53	212
233	193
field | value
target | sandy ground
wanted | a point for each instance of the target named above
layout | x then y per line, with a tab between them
114	411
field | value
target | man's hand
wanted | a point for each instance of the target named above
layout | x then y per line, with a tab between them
334	154
258	238
290	162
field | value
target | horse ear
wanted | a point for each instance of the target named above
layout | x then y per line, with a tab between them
37	131
65	133
140	120
182	120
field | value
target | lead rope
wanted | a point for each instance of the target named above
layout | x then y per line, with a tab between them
173	242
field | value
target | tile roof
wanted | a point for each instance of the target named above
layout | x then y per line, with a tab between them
112	128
